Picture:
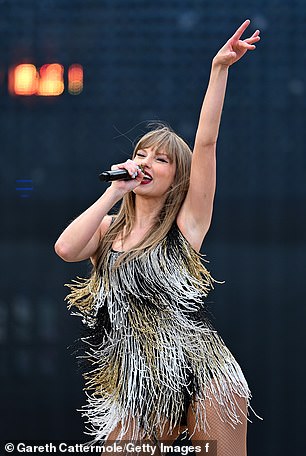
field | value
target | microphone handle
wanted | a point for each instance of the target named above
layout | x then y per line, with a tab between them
114	175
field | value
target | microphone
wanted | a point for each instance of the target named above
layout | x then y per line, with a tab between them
116	174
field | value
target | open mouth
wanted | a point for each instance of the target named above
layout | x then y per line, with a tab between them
147	177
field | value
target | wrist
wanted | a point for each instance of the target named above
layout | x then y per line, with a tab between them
114	194
218	66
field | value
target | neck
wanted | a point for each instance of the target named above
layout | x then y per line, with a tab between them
146	211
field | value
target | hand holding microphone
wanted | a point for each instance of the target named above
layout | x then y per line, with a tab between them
128	171
117	174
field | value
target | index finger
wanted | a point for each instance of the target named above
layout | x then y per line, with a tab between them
241	29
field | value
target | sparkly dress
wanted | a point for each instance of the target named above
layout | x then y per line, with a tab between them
149	347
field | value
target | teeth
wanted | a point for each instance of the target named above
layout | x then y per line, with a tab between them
147	177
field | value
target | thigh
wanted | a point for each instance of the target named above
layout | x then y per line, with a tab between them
122	435
231	439
168	434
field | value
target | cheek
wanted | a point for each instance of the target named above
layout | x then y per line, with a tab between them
169	180
168	176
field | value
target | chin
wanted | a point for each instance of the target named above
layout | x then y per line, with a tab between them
142	191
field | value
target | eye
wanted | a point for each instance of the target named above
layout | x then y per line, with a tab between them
161	159
140	154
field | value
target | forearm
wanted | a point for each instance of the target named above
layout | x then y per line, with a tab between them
83	230
210	116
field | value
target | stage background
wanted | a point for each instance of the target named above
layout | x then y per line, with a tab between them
148	61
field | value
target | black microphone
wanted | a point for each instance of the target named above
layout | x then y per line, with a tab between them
114	175
117	174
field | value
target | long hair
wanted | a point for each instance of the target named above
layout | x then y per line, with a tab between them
161	138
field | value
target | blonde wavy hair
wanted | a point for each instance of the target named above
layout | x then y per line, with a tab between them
161	138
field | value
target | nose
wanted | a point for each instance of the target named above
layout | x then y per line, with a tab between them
147	161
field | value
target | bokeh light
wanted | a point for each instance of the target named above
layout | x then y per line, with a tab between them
51	82
75	79
23	80
48	81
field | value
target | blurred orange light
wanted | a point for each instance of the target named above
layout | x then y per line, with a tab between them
26	79
75	79
51	81
23	80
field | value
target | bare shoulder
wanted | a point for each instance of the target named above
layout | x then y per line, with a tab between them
104	225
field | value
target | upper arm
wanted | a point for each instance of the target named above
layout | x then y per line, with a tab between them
105	224
195	215
90	249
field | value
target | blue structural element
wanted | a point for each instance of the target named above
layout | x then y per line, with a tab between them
26	189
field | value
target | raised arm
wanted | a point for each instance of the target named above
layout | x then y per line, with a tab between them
195	215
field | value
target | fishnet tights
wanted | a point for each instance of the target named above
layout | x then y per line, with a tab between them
230	441
166	438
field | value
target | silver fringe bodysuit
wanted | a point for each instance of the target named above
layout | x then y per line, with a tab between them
151	349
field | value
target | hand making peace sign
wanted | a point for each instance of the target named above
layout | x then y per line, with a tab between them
235	48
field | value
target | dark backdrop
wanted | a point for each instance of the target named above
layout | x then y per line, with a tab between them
146	61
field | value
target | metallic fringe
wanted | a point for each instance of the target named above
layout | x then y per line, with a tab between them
157	346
